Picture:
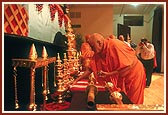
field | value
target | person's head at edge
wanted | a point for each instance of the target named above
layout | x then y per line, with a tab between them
87	37
144	41
96	42
121	37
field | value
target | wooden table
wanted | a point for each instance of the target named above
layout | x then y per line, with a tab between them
32	64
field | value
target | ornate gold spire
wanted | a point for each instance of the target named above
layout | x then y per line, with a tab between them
33	54
44	53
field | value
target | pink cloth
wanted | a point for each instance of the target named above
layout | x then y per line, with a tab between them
155	61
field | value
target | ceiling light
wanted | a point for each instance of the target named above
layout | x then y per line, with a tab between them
134	4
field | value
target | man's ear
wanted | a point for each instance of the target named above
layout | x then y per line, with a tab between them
99	43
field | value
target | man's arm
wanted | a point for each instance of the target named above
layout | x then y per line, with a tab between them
85	74
104	74
149	48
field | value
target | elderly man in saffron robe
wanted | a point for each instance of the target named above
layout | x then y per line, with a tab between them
116	62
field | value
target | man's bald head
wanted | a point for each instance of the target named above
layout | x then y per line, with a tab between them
96	36
96	42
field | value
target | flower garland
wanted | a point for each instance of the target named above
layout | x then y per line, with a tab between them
66	20
53	9
39	7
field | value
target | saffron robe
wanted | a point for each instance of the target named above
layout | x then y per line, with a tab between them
86	50
116	55
87	54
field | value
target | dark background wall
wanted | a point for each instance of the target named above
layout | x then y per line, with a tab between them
19	47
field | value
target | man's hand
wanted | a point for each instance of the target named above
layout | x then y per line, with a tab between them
101	73
104	74
85	74
74	82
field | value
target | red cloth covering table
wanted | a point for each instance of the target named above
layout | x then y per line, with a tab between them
82	84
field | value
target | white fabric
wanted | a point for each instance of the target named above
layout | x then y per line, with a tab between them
40	25
147	51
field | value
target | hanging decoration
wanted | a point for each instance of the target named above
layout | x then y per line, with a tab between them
56	8
62	10
60	17
39	7
53	9
66	20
